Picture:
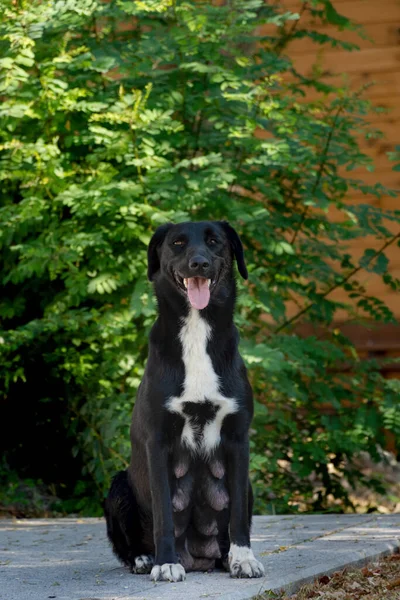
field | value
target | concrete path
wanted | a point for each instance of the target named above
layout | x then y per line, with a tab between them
69	559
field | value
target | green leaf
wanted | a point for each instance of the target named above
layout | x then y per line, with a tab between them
374	263
117	117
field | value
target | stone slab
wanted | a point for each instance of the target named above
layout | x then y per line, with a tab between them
70	559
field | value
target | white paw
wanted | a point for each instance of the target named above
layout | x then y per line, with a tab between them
168	572
143	564
242	562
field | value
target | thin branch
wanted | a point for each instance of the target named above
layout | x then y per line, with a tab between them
285	39
318	178
295	301
97	38
200	118
320	171
197	134
337	285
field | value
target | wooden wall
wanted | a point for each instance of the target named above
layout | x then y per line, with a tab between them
377	61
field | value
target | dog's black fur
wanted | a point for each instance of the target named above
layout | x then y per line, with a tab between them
173	503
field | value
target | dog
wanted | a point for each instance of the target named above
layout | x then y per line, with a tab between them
185	501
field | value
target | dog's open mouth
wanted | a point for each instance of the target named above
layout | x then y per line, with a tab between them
197	289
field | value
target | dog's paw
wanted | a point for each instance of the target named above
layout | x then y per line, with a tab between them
168	572
247	568
242	562
143	564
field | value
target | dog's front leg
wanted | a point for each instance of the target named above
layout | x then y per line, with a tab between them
242	562
166	566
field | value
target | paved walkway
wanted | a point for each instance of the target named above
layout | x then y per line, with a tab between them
69	559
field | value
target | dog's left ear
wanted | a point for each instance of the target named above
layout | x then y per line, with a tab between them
153	258
236	246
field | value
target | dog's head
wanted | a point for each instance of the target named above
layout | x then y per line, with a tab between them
197	259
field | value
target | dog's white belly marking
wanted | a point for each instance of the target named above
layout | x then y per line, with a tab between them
201	386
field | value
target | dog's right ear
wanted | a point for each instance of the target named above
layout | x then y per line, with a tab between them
153	258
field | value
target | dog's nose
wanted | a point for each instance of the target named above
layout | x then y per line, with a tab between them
198	263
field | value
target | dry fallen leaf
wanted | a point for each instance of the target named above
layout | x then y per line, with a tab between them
394	557
393	584
354	585
379	580
339	595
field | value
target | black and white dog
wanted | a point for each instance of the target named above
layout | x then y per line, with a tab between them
185	502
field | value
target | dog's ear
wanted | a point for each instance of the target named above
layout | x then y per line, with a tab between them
153	258
236	246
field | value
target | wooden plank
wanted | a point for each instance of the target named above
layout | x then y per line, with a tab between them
385	337
388	203
360	198
392	302
388	178
389	103
378	290
338	216
380	25
381	34
374	287
377	150
373	60
359	11
365	11
391	138
358	246
382	84
382	121
391	133
392	252
390	119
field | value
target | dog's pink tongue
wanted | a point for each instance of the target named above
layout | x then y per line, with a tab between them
198	292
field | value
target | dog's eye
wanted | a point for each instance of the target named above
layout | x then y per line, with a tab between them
212	241
179	243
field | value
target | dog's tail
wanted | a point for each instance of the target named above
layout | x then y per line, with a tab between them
121	513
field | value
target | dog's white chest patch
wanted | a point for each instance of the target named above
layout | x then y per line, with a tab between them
201	404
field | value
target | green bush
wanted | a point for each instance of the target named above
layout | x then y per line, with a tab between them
118	116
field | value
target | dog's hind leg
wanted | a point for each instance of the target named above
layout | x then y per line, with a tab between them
124	527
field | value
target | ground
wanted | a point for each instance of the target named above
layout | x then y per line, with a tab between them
70	559
378	580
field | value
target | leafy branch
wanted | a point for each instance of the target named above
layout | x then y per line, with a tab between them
338	284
